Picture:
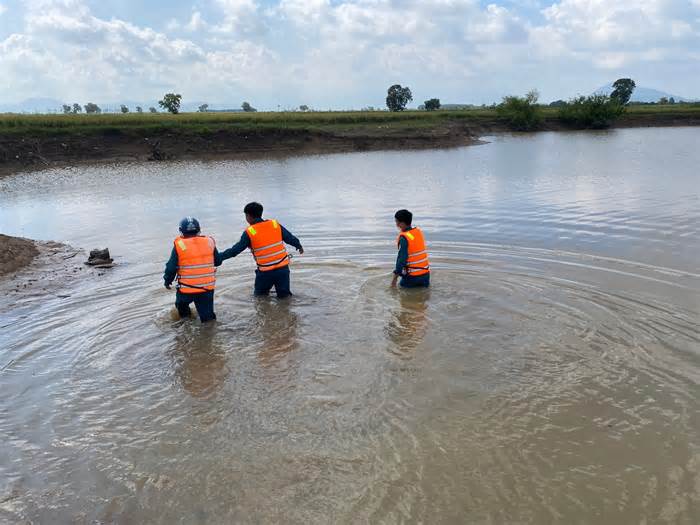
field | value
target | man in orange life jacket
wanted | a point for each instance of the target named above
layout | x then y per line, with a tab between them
193	261
266	240
412	263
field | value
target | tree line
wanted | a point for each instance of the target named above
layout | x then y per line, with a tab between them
595	111
521	113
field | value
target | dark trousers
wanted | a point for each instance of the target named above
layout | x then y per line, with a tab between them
204	302
418	281
279	278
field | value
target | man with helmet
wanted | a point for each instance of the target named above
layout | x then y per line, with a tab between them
193	262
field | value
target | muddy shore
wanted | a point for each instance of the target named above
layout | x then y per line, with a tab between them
23	151
16	253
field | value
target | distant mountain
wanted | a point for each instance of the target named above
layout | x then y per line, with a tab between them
643	94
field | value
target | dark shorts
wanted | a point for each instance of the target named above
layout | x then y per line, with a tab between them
415	282
264	281
204	302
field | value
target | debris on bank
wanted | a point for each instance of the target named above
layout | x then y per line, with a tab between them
100	259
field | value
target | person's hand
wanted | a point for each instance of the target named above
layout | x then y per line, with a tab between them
301	251
167	286
394	280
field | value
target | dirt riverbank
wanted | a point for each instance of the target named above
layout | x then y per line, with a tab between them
20	152
35	268
16	253
23	150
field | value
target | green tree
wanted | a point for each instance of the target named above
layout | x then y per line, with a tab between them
671	100
152	110
593	112
622	90
303	107
397	97
139	109
663	101
124	109
171	102
77	108
432	104
66	109
90	107
247	107
203	108
521	113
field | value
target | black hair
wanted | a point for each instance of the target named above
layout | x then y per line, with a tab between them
404	216
254	209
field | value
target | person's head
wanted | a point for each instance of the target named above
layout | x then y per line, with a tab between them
253	211
189	227
404	218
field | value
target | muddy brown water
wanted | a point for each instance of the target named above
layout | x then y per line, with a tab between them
550	375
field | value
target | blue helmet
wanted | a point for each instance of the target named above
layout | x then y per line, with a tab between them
189	225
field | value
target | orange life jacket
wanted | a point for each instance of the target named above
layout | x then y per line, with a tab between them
417	263
196	272
267	245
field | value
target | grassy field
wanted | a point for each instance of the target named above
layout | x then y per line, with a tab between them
140	123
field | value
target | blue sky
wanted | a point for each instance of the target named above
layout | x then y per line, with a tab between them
342	53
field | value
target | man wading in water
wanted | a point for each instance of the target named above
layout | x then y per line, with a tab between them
266	240
193	260
412	263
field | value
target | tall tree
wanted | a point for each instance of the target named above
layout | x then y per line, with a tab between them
124	109
432	104
247	107
622	90
397	97
171	103
77	108
66	109
90	107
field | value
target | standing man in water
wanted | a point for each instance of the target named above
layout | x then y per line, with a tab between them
266	240
412	263
193	260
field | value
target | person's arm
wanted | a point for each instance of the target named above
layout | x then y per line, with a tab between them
170	269
236	248
291	240
401	259
217	258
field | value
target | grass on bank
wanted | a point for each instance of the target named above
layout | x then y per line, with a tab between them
336	121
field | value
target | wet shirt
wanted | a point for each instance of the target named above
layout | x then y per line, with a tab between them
171	266
244	243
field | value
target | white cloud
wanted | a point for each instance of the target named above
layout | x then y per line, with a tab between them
345	52
2	9
241	18
196	22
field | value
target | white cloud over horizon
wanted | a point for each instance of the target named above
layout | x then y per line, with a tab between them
344	53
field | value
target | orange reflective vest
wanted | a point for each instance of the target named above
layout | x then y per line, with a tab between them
418	263
267	245
196	272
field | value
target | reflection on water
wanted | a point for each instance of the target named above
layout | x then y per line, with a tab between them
408	323
549	375
199	362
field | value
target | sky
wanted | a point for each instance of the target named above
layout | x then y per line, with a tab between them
338	54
